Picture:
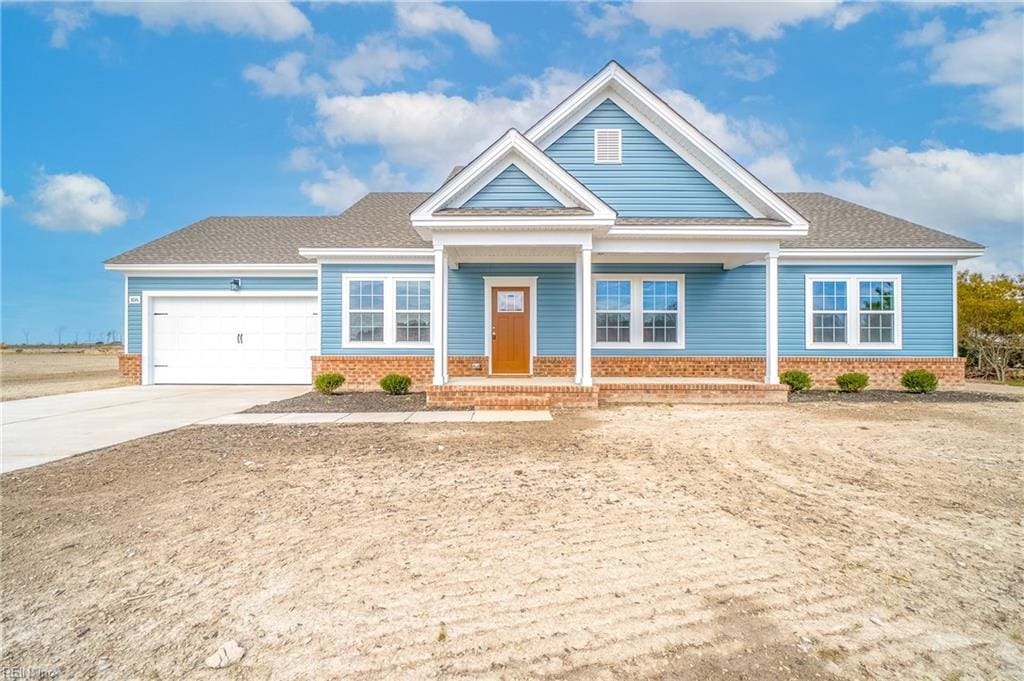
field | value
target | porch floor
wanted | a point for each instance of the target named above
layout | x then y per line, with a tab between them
673	380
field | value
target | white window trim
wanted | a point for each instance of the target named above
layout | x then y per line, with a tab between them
389	281
636	312
618	159
853	312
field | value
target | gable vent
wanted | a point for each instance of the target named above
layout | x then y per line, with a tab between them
607	145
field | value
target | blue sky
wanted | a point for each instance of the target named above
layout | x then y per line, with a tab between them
122	122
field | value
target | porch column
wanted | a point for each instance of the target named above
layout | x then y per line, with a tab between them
437	296
586	379
771	285
444	319
579	318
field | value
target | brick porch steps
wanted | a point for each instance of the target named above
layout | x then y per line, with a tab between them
511	396
528	395
692	393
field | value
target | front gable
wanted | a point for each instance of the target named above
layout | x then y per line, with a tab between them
512	188
650	180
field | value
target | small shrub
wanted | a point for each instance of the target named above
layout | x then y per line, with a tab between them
852	383
395	384
328	383
796	380
919	381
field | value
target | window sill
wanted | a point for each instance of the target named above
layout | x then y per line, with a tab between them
384	346
853	346
638	346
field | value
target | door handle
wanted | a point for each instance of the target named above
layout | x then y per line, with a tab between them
494	334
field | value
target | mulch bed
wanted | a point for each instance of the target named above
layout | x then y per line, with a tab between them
874	396
350	402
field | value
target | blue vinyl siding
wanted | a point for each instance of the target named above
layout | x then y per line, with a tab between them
512	188
724	309
331	342
927	316
137	285
556	306
651	181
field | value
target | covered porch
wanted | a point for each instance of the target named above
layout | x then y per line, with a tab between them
544	392
719	326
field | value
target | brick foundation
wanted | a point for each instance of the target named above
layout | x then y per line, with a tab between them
365	372
554	365
883	372
462	365
750	368
129	367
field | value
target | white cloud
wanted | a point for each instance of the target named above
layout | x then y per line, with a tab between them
277	21
431	130
284	78
303	159
375	61
66	19
743	65
942	188
5	199
976	196
77	202
338	188
758	20
991	57
425	18
930	33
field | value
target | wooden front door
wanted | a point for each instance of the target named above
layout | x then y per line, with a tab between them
510	330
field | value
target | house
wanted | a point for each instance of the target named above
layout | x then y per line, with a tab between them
611	247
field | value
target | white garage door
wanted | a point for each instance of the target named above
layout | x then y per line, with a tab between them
233	339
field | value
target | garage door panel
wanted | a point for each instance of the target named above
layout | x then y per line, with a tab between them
196	340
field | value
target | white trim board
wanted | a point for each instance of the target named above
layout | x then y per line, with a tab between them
512	145
489	284
213	269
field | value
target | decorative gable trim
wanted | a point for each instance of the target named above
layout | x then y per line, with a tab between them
617	84
512	148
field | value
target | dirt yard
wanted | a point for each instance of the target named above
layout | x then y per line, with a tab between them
34	373
808	541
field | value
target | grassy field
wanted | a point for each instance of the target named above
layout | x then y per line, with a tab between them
34	372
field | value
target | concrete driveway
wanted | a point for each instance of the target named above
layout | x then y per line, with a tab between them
45	429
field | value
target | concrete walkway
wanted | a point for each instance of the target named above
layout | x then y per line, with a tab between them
489	416
43	429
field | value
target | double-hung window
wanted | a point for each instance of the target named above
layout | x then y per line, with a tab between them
386	310
635	311
853	311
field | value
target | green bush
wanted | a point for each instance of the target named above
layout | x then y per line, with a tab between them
796	380
852	383
919	381
395	384
328	383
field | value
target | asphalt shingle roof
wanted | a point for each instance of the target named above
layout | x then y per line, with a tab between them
835	223
381	220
